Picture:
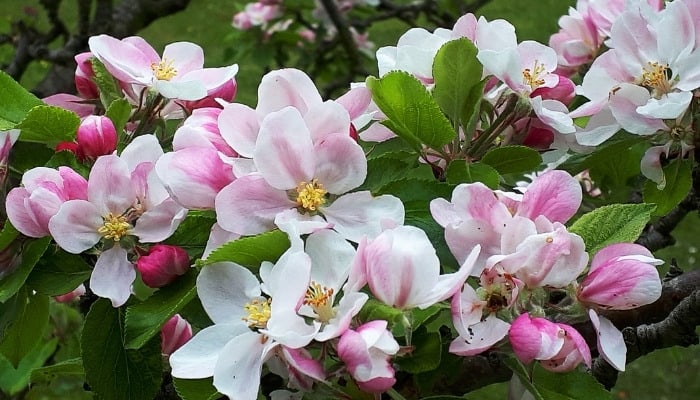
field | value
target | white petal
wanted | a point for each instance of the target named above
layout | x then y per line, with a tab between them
197	358
113	276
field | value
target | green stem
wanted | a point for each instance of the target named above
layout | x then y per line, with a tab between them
394	394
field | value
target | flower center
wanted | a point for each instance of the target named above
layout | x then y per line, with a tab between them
258	313
115	227
532	77
311	195
657	78
164	70
320	299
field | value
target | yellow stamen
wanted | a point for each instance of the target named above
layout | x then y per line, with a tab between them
164	70
655	77
532	77
320	298
311	195
115	227
258	313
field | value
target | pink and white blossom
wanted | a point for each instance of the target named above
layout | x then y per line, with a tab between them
622	276
366	351
402	269
43	191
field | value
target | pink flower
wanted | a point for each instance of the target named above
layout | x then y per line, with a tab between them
560	347
174	334
402	269
366	352
299	168
43	191
84	75
124	198
162	265
96	136
179	74
622	276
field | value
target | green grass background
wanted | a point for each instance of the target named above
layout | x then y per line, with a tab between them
667	374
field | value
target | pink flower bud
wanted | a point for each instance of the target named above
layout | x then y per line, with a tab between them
366	352
564	91
97	136
622	276
83	77
175	333
558	347
70	296
162	265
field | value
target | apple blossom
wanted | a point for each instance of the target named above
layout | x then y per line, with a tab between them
43	191
622	276
558	347
402	270
124	198
84	75
366	351
248	327
96	137
174	334
175	76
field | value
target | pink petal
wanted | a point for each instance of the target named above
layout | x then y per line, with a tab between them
287	87
185	57
359	214
483	336
109	186
75	226
113	276
340	163
554	194
284	153
239	127
248	205
611	343
123	60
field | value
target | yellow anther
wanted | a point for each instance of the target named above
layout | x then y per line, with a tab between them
549	239
320	299
311	195
115	227
164	70
258	313
531	76
656	77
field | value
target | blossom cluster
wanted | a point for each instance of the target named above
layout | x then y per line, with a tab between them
298	164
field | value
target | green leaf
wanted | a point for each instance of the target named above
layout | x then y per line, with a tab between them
58	273
376	310
457	72
192	234
115	373
512	159
251	251
678	175
519	369
13	381
385	170
119	112
30	254
28	155
8	234
49	125
31	316
494	391
106	84
411	111
196	389
418	317
15	102
392	148
615	223
74	366
574	385
459	171
144	320
65	158
426	354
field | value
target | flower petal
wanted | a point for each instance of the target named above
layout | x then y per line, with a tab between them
113	276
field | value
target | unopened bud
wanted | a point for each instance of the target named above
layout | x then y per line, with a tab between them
97	136
162	265
175	333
